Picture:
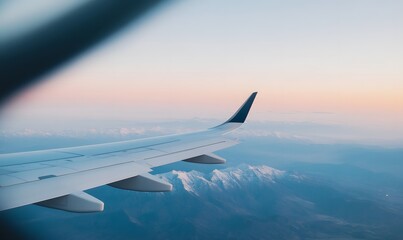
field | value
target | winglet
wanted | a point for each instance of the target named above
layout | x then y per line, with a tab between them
242	113
239	117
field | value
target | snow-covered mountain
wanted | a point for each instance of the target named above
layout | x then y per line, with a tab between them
242	202
224	179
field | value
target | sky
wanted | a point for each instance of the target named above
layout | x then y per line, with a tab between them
328	62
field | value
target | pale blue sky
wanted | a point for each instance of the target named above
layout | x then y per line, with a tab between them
202	58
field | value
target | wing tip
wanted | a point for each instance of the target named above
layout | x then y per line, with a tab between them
242	113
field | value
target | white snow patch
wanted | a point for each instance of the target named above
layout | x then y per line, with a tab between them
227	178
186	180
266	172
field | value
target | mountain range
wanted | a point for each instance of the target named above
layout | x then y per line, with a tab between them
269	189
241	202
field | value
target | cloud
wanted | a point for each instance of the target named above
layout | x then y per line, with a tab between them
309	132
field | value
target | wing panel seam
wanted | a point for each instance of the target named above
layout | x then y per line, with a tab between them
128	149
185	150
66	174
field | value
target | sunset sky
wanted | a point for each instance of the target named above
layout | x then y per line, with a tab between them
337	62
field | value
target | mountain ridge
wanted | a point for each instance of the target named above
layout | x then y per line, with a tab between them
229	178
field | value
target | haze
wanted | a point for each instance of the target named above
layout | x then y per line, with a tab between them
333	63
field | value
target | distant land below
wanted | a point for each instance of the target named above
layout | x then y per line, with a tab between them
272	187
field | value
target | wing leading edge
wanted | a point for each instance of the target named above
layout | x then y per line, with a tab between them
56	178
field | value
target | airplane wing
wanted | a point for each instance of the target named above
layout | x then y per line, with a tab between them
57	178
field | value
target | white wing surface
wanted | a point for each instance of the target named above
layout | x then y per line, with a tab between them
56	178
